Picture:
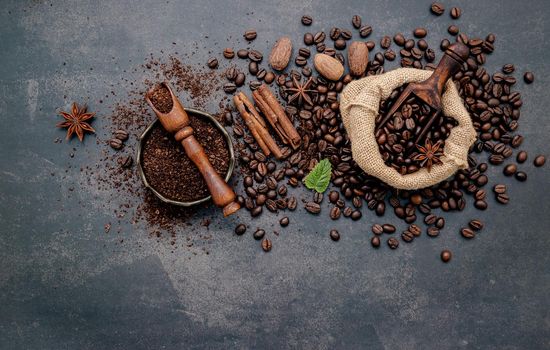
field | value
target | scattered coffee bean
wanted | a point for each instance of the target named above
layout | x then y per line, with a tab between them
116	144
334	235
420	32
377	229
522	157
476	225
307	20
528	77
510	169
539	161
521	176
122	135
388	228
284	221
335	213
228	53
456	12
356	21
313	207
432	231
259	234
446	256
375	241
266	245
503	198
437	8
242	53
240	229
250	34
500	188
212	63
393	243
467	233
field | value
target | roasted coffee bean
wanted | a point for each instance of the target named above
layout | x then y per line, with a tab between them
240	229
308	39
467	233
284	221
499	188
242	53
456	12
318	197
239	79
521	176
335	33
250	34
415	230
407	236
334	235
440	223
228	53
335	213
258	234
122	135
269	77
365	31
231	73
253	85
292	203
388	228
480	204
271	205
377	229
255	56
212	63
437	8
229	88
125	161
420	32
539	161
307	20
393	243
347	212
356	21
256	211
319	37
502	198
476	225
453	30
266	245
340	44
313	207
399	39
356	215
333	196
430	219
522	157
116	144
346	34
510	169
528	77
432	231
375	241
446	256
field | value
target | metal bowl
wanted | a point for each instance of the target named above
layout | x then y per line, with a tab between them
142	143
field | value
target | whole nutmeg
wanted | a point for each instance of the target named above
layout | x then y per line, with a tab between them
280	53
358	58
328	67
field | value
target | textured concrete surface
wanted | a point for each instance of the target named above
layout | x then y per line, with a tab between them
65	284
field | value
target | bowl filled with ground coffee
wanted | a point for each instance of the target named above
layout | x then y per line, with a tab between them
169	173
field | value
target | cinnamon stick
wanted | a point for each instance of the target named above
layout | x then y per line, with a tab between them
275	114
256	125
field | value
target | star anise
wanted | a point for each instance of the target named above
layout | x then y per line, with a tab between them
429	154
75	122
300	92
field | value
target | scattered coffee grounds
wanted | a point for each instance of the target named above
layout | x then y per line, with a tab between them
168	169
397	140
161	98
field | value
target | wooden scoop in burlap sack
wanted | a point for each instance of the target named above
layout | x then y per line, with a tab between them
359	105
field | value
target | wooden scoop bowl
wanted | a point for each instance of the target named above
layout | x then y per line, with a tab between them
177	122
430	90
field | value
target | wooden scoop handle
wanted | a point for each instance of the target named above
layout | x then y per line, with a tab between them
451	62
177	122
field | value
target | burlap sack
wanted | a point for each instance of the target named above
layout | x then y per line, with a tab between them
359	105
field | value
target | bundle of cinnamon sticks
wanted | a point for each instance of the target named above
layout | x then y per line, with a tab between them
274	113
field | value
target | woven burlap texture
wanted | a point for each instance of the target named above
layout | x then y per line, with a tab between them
359	105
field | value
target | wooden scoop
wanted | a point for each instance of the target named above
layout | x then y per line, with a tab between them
177	122
430	90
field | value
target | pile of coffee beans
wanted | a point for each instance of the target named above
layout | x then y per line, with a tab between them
490	99
398	139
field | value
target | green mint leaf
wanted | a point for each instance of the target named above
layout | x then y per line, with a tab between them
319	178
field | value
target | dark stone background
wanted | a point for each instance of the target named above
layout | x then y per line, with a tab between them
65	284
